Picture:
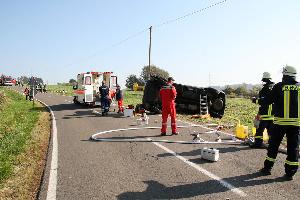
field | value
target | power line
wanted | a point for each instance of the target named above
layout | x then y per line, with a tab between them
146	29
189	14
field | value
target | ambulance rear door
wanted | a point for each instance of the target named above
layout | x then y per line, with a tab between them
88	88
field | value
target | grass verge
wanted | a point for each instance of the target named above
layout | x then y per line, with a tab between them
60	89
24	140
132	97
237	109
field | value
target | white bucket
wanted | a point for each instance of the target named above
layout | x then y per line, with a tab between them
128	112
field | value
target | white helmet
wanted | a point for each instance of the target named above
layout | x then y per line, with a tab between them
289	71
266	75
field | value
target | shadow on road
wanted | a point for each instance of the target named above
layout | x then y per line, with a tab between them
66	106
197	152
156	190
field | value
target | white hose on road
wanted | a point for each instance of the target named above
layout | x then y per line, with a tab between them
96	138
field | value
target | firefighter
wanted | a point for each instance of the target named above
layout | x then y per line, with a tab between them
119	98
104	94
168	94
264	115
285	97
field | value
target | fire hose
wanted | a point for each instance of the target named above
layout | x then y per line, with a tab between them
196	140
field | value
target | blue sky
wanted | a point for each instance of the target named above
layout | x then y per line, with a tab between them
233	42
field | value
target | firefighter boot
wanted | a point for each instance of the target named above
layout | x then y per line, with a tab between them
265	171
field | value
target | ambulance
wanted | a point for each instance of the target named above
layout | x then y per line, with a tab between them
86	90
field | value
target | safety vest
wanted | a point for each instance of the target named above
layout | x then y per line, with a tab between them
289	112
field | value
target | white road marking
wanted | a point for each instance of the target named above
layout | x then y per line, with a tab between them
51	193
204	171
197	167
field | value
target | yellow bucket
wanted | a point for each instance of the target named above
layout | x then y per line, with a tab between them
241	131
265	134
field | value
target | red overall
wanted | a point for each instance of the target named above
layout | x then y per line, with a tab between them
120	105
168	94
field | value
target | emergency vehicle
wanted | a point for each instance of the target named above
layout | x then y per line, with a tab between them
86	91
7	81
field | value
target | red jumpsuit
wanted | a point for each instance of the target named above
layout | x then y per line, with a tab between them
168	94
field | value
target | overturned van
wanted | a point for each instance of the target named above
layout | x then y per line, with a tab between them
189	100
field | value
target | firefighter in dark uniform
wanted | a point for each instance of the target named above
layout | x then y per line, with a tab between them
104	95
285	97
264	115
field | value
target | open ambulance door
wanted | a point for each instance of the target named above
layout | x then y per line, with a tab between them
88	88
113	82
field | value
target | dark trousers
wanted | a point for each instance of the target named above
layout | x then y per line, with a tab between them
263	124
292	135
104	105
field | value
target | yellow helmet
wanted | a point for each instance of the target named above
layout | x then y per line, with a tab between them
289	71
266	75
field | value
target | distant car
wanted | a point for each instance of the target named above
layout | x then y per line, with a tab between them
8	82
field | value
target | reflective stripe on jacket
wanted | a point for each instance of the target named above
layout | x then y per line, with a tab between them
286	98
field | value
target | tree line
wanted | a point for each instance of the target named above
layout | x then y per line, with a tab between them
146	73
242	91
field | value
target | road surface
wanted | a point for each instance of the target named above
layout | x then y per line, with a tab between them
124	170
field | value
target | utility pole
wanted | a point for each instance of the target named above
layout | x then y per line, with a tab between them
149	70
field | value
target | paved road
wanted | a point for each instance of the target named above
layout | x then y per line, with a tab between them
106	170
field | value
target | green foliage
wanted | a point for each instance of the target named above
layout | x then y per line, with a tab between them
153	70
72	81
18	118
2	100
132	97
237	109
60	89
24	79
242	91
131	79
145	75
228	90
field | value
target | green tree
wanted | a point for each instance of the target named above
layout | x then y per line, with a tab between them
241	90
254	91
72	81
24	79
228	90
153	70
131	79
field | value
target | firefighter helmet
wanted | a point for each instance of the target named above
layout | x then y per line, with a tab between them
266	75
289	71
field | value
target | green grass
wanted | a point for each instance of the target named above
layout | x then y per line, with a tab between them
68	90
132	97
18	118
236	109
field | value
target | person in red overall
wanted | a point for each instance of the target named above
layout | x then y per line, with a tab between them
119	98
168	94
26	92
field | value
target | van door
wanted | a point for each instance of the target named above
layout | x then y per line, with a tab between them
88	88
113	82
